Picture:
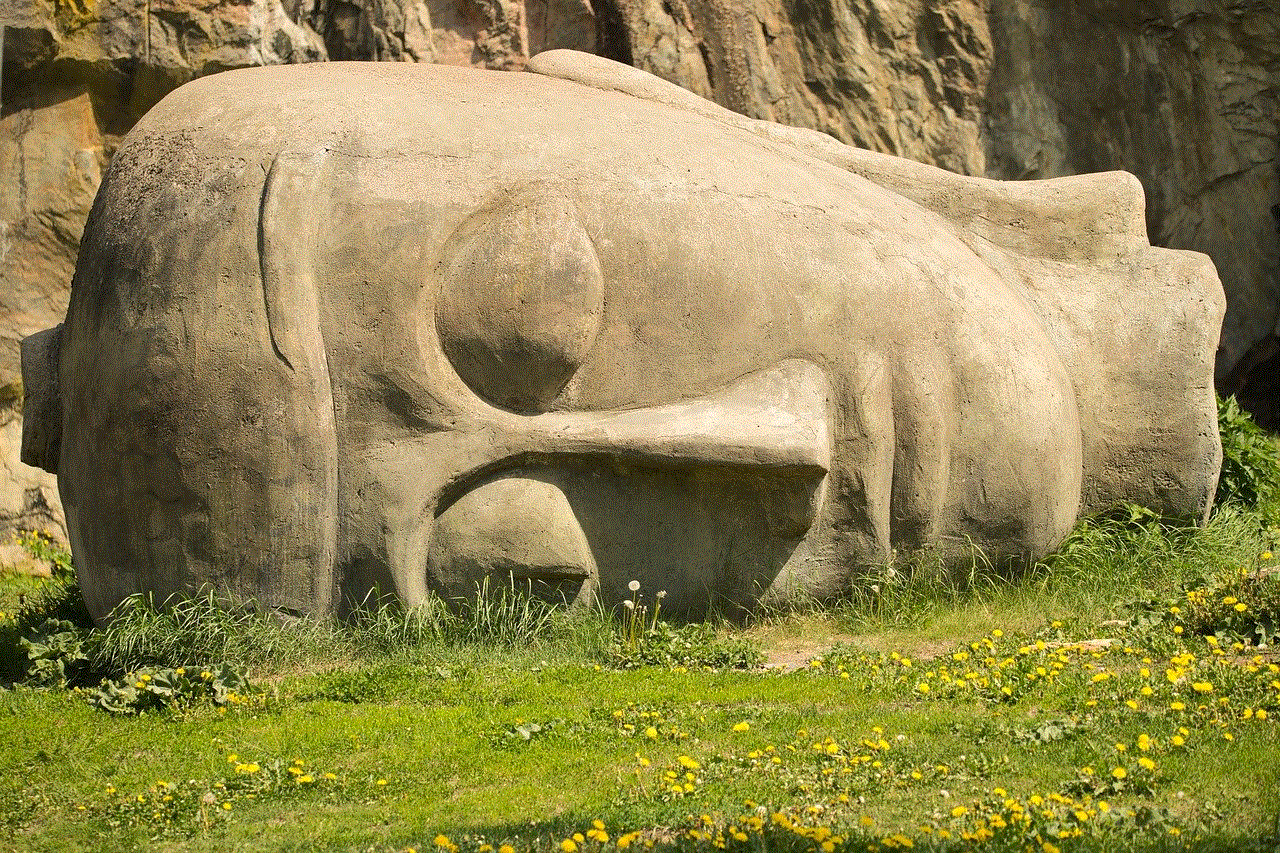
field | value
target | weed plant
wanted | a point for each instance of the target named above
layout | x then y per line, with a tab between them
1250	463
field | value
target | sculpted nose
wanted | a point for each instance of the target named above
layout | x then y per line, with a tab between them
501	519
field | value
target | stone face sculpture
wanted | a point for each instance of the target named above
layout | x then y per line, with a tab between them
352	326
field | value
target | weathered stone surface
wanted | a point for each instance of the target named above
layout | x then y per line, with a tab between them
1182	94
50	161
28	496
721	356
76	77
905	78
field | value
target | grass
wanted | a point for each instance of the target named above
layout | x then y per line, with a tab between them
1114	697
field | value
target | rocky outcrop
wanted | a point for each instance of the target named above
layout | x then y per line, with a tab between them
903	77
1183	93
1186	95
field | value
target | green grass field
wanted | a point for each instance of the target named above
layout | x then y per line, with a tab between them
1116	697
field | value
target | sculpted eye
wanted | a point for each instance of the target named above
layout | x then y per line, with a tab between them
521	299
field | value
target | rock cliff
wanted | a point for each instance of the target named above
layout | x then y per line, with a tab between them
1183	93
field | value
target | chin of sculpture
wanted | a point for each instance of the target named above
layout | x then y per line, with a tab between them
350	327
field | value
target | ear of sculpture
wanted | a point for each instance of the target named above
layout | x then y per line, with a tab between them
300	467
42	401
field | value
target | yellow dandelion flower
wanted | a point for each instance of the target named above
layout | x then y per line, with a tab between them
1119	772
1202	686
1241	607
506	848
1261	713
442	840
568	845
1146	763
959	811
1177	706
688	763
742	727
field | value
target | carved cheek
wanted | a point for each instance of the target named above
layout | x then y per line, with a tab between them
521	299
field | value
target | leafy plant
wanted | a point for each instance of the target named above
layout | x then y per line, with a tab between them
55	652
1049	731
636	622
693	646
1243	606
1250	462
174	689
186	808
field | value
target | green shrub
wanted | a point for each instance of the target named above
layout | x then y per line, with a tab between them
45	640
55	653
1243	606
1250	463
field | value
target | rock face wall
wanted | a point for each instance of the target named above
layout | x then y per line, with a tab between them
1183	93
